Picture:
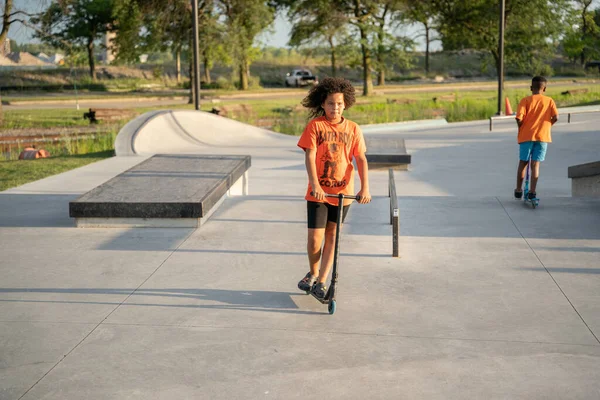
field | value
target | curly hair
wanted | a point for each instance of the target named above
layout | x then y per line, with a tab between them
317	95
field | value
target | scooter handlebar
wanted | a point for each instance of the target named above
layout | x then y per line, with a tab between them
343	196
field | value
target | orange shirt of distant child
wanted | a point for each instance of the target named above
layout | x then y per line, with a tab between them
336	145
536	112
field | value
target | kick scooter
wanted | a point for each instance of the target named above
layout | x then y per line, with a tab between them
329	298
535	201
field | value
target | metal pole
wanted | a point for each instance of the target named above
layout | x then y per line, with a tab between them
501	58
196	80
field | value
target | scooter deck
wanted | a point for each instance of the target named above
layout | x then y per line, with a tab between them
325	300
534	202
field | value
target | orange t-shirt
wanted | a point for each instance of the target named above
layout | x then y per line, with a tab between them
536	112
336	144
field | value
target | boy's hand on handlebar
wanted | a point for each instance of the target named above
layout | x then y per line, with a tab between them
363	197
319	194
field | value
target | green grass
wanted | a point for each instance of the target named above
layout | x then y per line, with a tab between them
283	115
16	173
44	118
69	146
286	116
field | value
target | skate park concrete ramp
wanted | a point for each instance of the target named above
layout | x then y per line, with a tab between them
181	131
489	299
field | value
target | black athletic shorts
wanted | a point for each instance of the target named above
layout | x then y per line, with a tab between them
320	213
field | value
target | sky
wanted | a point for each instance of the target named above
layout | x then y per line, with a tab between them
277	36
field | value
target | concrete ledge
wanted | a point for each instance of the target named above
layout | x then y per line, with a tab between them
584	170
387	152
585	179
164	191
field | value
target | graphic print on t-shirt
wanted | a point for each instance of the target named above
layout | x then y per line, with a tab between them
331	166
330	159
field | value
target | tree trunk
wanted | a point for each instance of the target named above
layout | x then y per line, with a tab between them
243	70
5	24
91	60
192	91
380	61
584	29
178	64
426	49
381	77
206	61
333	61
3	34
366	53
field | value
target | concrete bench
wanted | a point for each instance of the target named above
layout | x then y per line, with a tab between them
386	151
585	179
166	190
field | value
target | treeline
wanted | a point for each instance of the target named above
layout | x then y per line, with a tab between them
367	35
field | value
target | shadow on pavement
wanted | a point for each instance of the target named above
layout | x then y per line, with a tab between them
593	271
224	299
36	210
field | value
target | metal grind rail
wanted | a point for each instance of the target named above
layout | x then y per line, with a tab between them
560	113
394	214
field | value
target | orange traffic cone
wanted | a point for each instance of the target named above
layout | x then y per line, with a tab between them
508	110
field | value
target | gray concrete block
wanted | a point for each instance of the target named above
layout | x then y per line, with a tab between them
386	152
164	186
584	170
585	179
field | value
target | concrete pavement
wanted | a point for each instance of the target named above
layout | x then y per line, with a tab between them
490	299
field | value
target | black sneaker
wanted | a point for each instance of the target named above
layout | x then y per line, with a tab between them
307	282
531	196
518	194
319	290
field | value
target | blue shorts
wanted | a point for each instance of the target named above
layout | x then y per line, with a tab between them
537	150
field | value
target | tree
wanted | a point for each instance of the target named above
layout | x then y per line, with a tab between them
532	27
245	19
315	21
9	17
361	14
79	22
424	13
389	49
583	35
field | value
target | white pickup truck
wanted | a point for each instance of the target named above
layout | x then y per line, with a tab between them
300	77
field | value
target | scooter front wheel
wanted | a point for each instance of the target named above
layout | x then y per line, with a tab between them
331	307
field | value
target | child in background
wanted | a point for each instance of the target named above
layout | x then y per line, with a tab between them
535	116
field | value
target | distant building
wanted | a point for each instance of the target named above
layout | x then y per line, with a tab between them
24	58
26	61
44	57
56	59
